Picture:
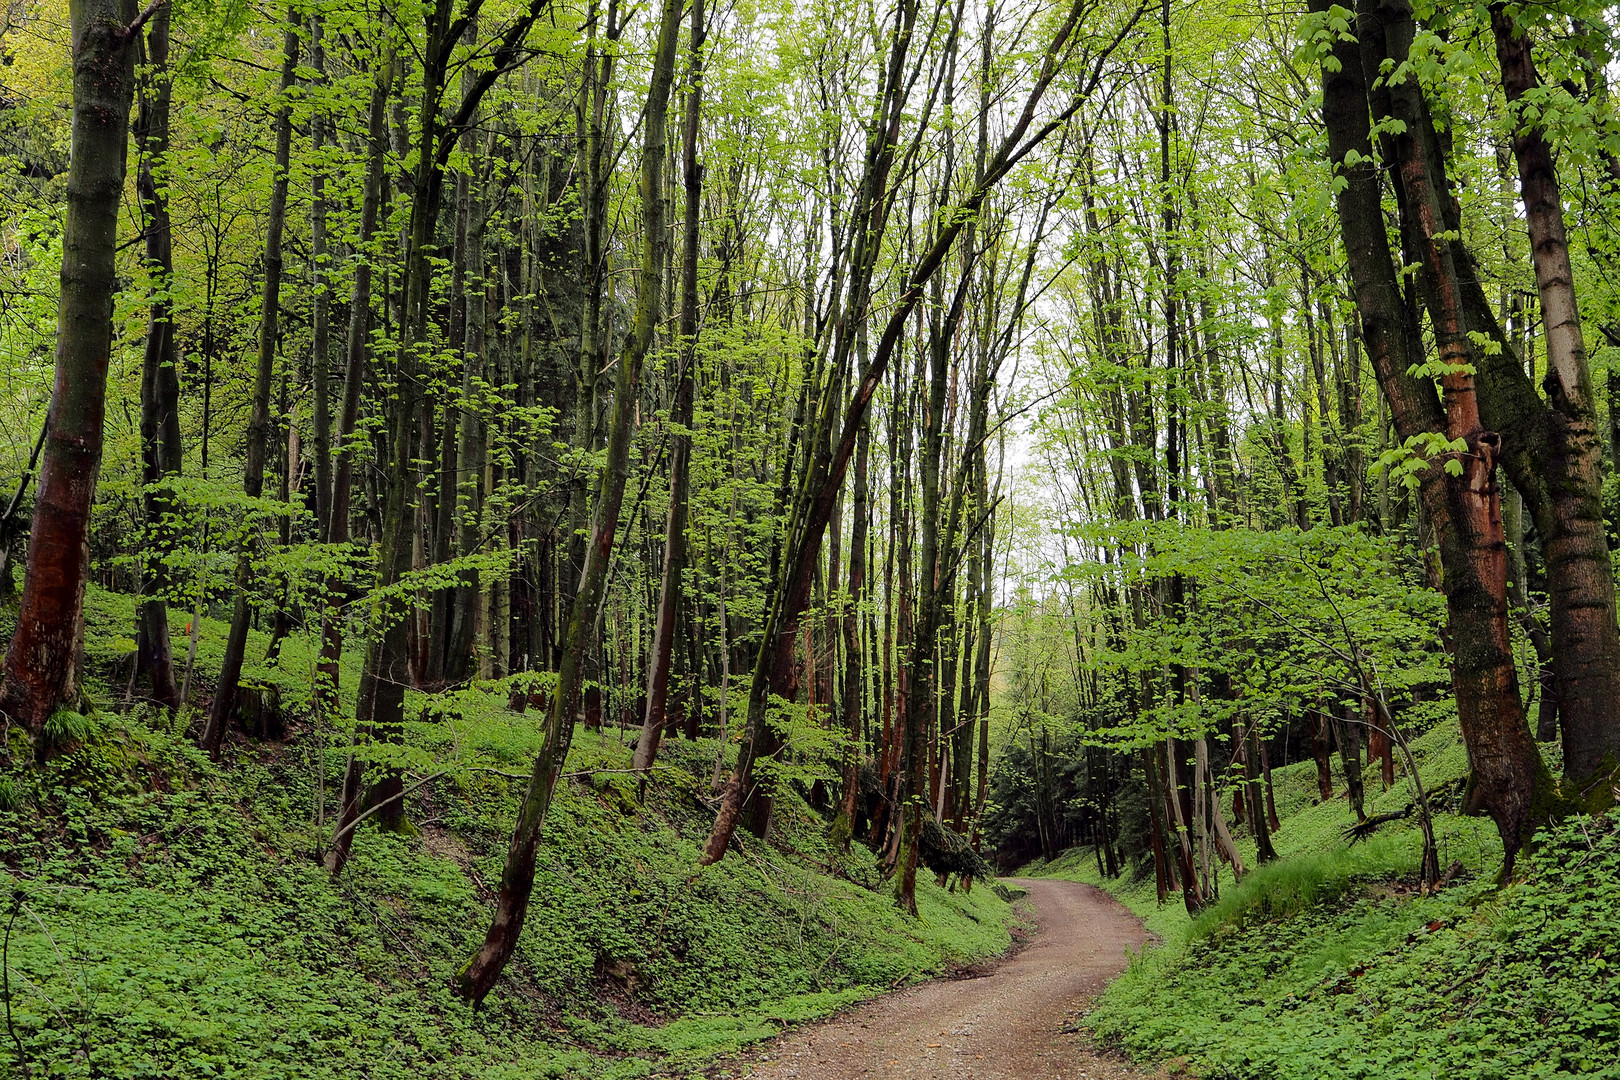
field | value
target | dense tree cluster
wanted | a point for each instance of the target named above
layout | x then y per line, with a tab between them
638	366
1325	434
689	368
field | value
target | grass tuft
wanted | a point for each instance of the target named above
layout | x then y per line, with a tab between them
1287	887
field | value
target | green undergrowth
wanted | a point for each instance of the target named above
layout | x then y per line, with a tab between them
168	918
1331	964
1316	863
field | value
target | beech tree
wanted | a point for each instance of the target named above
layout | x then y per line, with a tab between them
40	672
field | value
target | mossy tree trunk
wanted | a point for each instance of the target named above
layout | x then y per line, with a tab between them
160	382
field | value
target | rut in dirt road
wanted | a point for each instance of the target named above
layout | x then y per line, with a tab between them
1007	1025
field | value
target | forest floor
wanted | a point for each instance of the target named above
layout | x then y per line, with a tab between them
1331	963
1012	1020
169	917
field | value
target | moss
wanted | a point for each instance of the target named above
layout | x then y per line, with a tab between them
841	831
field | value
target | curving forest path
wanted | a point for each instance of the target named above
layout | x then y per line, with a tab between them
1005	1025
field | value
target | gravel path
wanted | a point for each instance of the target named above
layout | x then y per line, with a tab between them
1006	1025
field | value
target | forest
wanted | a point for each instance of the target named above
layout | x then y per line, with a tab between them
590	538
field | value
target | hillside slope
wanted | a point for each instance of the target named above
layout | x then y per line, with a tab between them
1329	964
167	918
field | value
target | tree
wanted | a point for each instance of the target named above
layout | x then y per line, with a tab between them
40	671
477	977
1460	494
161	450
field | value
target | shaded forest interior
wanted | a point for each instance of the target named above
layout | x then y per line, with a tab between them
880	438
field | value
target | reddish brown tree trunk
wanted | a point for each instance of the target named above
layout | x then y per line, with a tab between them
40	669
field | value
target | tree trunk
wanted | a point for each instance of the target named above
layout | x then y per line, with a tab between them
669	597
354	375
1320	750
1464	509
1254	794
40	670
380	707
1348	736
1161	859
258	433
1586	654
160	383
1534	632
321	302
853	656
470	457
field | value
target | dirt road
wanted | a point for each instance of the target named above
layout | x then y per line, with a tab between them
1007	1025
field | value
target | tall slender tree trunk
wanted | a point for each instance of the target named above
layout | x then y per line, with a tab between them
477	976
321	301
160	383
380	700
354	375
669	596
259	425
1177	803
982	658
470	456
853	657
1161	857
40	669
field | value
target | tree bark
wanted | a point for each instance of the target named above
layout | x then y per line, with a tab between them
477	976
669	595
1463	508
853	656
160	383
40	669
1254	793
354	374
258	433
321	302
1586	653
